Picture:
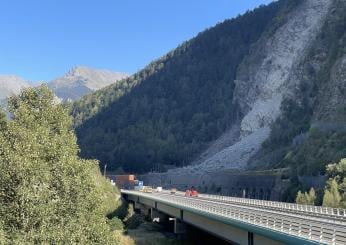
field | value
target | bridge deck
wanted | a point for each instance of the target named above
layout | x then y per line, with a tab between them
279	221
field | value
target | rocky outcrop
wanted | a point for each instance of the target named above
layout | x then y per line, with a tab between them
332	99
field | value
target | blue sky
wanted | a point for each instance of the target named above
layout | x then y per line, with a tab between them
42	39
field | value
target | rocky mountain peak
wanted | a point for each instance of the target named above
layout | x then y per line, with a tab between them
82	80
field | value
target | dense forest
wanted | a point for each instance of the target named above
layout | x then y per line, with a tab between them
167	113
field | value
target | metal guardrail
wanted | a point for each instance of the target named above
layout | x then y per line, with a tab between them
297	225
337	214
308	209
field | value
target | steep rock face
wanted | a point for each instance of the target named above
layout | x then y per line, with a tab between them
333	99
11	85
311	130
265	78
83	80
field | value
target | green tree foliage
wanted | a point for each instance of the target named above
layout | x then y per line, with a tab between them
300	199
3	121
337	170
306	198
335	191
332	196
48	195
312	196
168	113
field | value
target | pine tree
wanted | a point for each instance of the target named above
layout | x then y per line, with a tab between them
306	198
47	193
332	196
311	196
343	191
301	198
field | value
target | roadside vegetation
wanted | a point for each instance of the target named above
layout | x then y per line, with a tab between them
49	195
335	190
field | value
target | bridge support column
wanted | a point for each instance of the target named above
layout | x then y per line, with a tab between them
157	216
250	238
179	226
142	208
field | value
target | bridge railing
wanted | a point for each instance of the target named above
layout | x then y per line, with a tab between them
315	229
337	212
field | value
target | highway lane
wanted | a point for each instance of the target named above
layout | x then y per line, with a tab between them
278	211
278	206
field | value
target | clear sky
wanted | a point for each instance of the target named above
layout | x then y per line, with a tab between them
42	39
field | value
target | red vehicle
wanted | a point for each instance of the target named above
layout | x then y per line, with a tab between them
191	192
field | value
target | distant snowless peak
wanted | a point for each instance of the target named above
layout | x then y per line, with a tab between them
77	82
93	78
82	80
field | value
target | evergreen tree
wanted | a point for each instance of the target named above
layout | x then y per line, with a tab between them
343	191
306	198
332	196
47	193
311	196
300	199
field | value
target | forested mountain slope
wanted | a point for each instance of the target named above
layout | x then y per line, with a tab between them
247	93
169	112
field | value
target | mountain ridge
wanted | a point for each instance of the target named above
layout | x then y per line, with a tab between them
82	80
77	82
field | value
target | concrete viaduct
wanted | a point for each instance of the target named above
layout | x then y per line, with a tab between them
245	221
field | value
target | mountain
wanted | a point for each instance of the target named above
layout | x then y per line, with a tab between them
11	85
83	80
76	83
264	90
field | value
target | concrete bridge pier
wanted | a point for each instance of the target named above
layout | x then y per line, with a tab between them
141	208
157	216
179	227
